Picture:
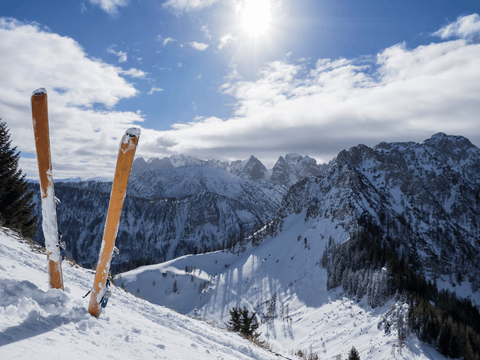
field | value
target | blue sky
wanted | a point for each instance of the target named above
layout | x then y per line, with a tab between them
201	79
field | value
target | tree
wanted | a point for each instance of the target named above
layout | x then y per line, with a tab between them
15	200
242	322
234	324
353	354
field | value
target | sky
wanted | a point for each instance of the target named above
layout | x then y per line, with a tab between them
226	79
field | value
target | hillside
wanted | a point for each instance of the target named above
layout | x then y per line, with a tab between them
38	323
282	281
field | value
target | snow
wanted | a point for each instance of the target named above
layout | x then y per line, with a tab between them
133	132
282	271
41	323
39	91
49	221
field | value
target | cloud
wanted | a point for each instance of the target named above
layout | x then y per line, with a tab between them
81	94
110	6
206	33
198	46
225	39
400	94
165	41
463	27
178	6
122	56
134	73
153	90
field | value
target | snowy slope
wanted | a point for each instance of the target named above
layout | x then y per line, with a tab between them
282	281
38	323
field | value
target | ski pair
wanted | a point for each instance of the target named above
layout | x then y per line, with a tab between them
128	146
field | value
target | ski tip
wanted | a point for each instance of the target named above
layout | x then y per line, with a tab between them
133	132
39	92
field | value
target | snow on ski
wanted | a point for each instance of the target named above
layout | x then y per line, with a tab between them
49	213
99	294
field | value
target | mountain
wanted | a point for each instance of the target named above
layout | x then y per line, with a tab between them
294	167
166	214
140	165
41	323
323	273
287	170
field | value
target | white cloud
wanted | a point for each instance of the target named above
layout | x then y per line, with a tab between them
81	93
134	73
179	6
110	6
206	32
225	39
122	56
463	27
198	46
153	90
166	40
399	95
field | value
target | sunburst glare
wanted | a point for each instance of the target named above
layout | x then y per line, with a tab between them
255	16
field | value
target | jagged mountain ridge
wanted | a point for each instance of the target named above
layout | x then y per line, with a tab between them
170	213
427	195
286	171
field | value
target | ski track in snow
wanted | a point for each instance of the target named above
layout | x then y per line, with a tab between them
41	323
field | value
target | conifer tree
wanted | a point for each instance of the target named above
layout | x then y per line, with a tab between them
15	200
242	322
234	324
353	354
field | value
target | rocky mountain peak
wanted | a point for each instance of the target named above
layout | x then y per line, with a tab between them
255	169
457	146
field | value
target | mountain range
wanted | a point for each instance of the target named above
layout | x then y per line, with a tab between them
286	171
182	206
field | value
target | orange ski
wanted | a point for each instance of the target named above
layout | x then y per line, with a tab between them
126	153
49	212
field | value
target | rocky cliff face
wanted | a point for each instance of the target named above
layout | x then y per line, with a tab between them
425	196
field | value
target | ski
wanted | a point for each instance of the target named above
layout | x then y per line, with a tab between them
49	212
100	293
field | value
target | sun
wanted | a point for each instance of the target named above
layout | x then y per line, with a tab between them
255	16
